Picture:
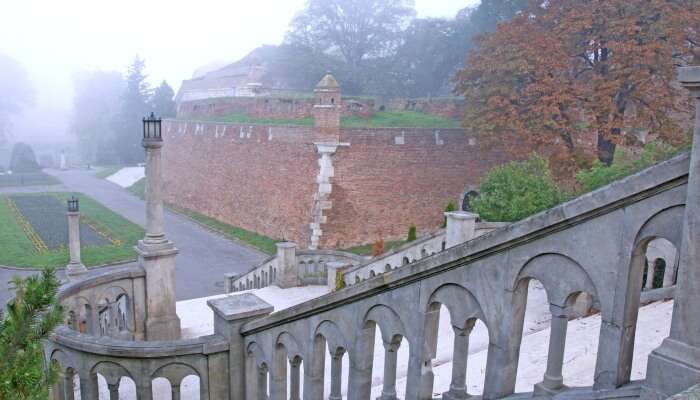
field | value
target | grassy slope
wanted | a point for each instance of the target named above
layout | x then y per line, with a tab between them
107	171
260	242
383	119
366	250
19	251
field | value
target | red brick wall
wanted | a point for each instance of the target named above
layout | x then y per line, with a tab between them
381	188
267	184
260	179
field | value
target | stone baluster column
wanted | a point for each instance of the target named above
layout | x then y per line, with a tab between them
175	391
553	380
156	252
114	391
88	386
461	227
389	389
295	379
670	272
460	355
68	387
336	375
262	383
675	365
651	270
75	267
144	389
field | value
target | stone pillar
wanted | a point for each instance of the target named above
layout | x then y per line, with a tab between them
675	365
336	376
553	381
286	264
229	282
157	254
651	270
460	355
670	272
114	391
174	390
461	227
230	314
295	380
75	267
68	387
88	386
389	389
262	383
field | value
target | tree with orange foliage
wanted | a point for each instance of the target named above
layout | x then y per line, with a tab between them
569	71
378	248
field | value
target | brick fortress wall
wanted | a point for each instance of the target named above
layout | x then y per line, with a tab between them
259	178
263	178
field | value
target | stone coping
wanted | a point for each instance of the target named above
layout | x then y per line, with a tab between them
96	278
646	183
107	346
240	306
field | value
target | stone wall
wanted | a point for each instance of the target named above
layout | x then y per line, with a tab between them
388	179
447	107
259	178
263	178
266	107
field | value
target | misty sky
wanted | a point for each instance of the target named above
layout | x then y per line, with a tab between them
53	39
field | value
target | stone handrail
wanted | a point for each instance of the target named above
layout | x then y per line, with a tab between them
107	303
140	361
410	252
290	267
486	278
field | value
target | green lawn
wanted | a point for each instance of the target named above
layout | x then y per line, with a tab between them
399	119
366	250
242	118
19	251
382	119
138	188
108	171
28	179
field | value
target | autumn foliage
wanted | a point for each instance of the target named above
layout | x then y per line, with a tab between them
378	248
572	79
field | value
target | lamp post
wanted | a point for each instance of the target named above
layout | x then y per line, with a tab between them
75	267
156	252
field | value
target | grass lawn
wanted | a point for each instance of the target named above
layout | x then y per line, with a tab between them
366	250
382	119
242	118
28	179
107	171
20	251
138	188
399	119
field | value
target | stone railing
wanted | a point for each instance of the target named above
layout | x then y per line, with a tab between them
462	227
593	245
107	303
692	393
291	267
194	368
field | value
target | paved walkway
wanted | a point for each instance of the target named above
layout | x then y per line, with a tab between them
204	256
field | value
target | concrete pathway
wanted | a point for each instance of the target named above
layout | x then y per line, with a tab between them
204	256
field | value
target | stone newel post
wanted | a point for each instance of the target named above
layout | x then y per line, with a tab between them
286	275
156	252
75	267
461	226
675	365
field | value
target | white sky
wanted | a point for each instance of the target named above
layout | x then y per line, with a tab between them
53	38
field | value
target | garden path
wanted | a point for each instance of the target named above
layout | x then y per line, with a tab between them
204	255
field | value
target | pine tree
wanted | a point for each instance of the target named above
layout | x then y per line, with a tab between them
134	106
162	101
30	317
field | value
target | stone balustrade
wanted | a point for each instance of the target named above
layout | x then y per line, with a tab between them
484	279
290	267
107	303
419	249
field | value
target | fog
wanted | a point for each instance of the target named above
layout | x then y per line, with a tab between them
57	43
